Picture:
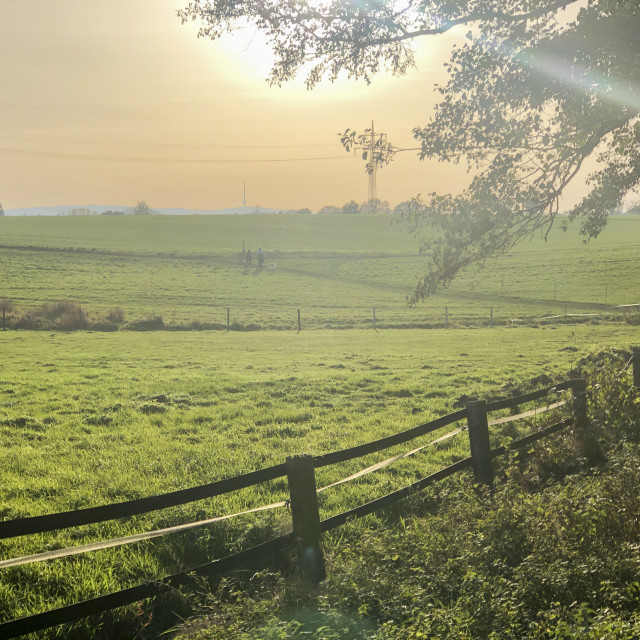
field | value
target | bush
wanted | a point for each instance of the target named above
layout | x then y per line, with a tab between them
145	324
64	316
115	315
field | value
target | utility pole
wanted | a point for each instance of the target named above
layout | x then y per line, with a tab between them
244	193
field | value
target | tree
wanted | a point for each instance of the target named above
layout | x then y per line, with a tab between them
142	209
329	209
350	207
375	206
539	87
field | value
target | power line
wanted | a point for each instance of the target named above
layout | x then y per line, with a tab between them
55	155
126	115
129	143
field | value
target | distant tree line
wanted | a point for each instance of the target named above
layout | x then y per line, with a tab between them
141	209
376	206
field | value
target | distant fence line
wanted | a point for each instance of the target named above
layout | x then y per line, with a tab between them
448	316
307	525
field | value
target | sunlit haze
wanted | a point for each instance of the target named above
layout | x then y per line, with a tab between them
115	101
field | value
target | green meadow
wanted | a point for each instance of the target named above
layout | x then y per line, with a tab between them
93	417
335	269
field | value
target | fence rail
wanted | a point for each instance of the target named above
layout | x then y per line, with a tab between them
103	513
307	525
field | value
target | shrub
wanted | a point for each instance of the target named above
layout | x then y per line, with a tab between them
115	315
145	324
64	315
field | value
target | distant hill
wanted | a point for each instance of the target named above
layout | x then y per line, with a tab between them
92	209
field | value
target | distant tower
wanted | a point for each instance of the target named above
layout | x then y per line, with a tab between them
371	144
244	193
372	195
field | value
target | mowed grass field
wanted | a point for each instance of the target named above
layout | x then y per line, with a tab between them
89	418
189	270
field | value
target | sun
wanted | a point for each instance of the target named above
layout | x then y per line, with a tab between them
248	52
248	47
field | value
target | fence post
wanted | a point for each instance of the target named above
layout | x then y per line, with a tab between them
227	318
479	441
306	517
4	322
588	446
374	317
636	365
299	323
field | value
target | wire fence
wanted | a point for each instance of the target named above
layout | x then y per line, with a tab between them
71	316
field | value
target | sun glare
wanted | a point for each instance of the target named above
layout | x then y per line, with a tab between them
248	47
249	52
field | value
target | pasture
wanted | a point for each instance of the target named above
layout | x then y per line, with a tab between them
335	269
89	418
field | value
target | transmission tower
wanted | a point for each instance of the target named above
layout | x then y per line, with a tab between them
371	143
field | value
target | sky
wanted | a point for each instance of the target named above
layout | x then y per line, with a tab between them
109	102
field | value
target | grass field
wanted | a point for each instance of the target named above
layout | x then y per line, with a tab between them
335	269
89	418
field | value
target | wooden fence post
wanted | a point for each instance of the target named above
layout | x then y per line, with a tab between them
299	323
306	517
635	364
374	317
588	446
479	441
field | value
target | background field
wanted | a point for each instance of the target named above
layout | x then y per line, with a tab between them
89	418
189	270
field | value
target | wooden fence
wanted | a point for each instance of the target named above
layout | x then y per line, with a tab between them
307	525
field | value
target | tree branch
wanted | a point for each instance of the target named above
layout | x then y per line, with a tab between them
473	17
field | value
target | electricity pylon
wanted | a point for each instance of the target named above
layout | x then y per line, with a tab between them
372	142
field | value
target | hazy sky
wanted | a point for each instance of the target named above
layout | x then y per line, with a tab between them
115	101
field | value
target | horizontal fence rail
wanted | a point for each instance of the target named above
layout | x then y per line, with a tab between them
391	498
139	537
306	525
91	515
101	604
390	441
508	403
